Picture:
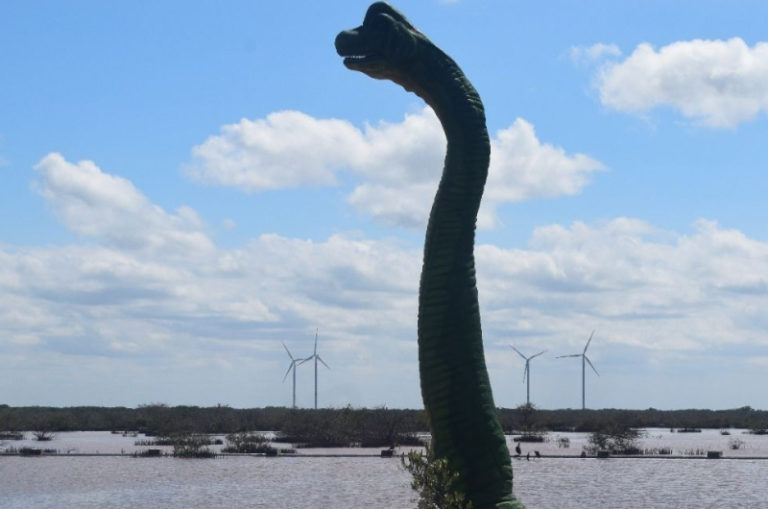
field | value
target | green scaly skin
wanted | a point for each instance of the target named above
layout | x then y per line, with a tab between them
454	379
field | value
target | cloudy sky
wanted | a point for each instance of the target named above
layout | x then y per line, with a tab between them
186	185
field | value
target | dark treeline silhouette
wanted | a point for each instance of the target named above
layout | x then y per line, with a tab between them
364	426
526	418
323	427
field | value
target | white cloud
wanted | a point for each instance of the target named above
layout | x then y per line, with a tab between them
153	283
94	301
399	163
96	204
287	149
656	292
640	286
596	52
645	286
661	295
522	167
406	206
714	82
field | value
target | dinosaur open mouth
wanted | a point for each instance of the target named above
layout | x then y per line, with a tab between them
354	58
360	61
351	46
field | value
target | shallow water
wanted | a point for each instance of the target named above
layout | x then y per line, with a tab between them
648	483
373	483
232	482
680	444
90	442
305	481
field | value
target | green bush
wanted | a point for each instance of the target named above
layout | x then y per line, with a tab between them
616	439
245	442
192	446
434	481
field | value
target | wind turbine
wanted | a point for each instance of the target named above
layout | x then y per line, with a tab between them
527	373
292	366
584	361
316	357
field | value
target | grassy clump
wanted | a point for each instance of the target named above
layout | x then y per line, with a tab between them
192	446
43	436
148	453
247	443
252	443
28	451
178	438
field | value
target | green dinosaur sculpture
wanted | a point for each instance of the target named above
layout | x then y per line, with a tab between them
454	380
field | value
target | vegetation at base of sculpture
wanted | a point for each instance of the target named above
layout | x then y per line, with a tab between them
434	481
455	387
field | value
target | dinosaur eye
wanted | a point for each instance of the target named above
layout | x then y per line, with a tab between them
376	9
380	22
388	35
401	42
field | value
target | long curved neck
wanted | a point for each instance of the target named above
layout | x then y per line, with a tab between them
442	85
454	379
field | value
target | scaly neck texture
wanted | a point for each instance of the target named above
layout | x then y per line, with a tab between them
454	379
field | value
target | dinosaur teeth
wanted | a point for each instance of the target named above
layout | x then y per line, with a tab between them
356	60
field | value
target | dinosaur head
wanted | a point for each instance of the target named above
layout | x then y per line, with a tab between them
385	46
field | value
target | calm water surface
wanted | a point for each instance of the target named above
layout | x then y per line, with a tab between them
376	483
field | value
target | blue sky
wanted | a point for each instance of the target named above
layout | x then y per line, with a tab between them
187	185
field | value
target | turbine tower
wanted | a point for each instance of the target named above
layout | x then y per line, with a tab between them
316	357
584	361
527	373
292	366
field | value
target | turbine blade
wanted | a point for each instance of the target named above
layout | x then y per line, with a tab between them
588	342
518	352
591	365
302	361
289	352
290	367
323	362
315	342
534	356
573	355
525	371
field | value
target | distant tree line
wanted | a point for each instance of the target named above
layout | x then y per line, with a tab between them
363	426
322	427
528	418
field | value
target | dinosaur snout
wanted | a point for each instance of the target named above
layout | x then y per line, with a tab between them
345	42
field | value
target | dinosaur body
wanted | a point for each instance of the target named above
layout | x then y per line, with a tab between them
454	380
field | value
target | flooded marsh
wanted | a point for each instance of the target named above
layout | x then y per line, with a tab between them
323	479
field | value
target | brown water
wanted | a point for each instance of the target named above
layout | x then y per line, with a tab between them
375	483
